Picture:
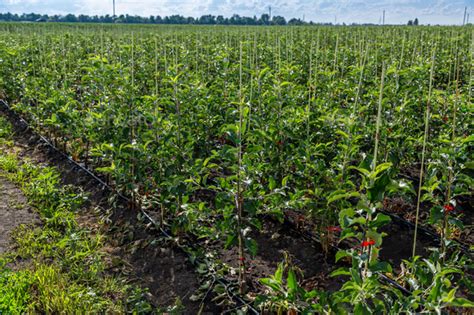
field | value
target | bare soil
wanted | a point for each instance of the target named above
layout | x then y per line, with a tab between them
14	211
274	242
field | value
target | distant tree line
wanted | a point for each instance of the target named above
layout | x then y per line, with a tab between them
173	19
415	22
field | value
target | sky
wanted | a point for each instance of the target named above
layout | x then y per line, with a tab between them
348	11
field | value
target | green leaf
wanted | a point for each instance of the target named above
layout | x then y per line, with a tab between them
379	169
431	266
435	290
401	185
355	276
341	254
360	220
284	181
342	133
337	195
271	183
436	215
363	171
263	72
378	189
291	281
108	169
245	112
231	239
462	302
346	233
345	216
54	118
381	266
271	283
456	222
377	237
468	139
251	246
450	297
380	220
361	309
343	271
279	273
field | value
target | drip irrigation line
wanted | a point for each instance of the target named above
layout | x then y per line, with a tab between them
240	301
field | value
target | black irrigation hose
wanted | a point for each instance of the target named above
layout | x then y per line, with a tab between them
222	281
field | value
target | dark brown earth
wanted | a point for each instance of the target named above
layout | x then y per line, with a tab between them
398	244
275	243
14	211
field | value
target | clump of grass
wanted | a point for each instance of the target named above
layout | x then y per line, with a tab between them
6	129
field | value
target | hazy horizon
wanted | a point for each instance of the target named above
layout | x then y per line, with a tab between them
324	11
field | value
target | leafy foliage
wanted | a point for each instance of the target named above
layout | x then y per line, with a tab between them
195	123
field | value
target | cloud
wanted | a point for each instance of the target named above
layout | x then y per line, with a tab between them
397	11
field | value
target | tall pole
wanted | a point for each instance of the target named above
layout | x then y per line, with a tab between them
464	19
383	19
270	12
114	7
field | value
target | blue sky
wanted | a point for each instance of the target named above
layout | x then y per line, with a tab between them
397	11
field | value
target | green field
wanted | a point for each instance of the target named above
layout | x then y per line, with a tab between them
216	131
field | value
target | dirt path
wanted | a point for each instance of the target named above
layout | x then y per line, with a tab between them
14	211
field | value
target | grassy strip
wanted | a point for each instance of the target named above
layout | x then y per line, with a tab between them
5	132
63	269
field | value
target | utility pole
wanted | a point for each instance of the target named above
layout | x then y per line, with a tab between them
464	19
383	19
113	2
467	20
270	12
